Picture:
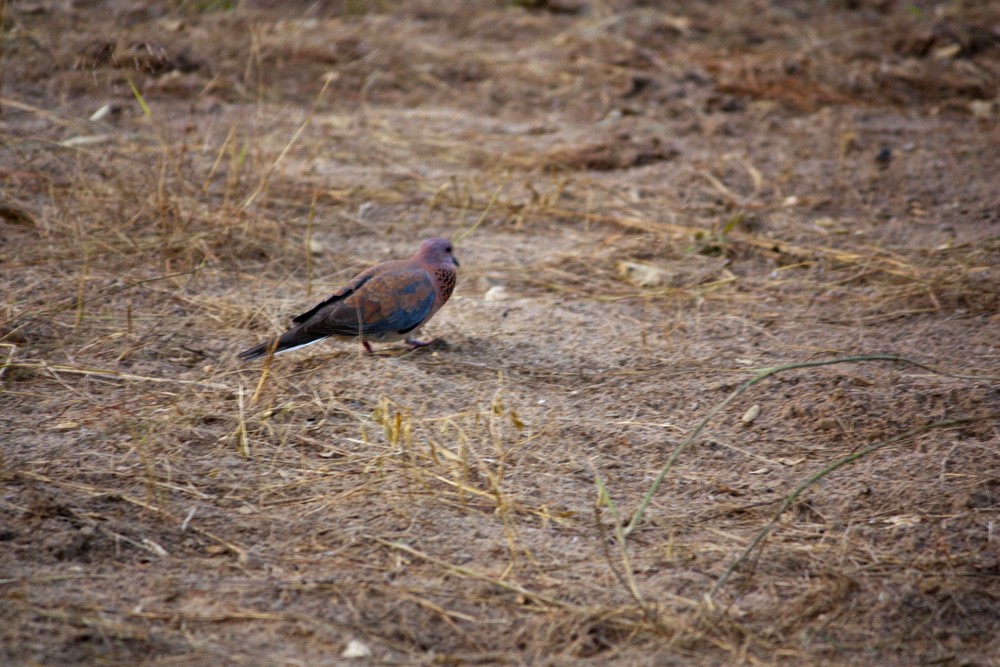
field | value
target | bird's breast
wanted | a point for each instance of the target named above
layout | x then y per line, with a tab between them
446	278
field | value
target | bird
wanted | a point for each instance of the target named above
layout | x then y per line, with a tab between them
387	302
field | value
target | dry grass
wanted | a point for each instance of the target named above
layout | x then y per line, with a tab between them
674	200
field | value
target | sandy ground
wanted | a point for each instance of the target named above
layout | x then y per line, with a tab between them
663	198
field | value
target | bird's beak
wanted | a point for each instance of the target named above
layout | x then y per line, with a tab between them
455	259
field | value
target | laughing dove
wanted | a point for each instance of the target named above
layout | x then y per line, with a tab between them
388	302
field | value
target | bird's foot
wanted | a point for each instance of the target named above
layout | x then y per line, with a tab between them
368	347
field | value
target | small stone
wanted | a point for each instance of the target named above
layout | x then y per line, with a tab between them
64	426
495	293
641	274
356	649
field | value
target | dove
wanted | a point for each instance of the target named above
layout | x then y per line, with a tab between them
388	302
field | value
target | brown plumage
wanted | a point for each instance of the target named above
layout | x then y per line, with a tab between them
388	302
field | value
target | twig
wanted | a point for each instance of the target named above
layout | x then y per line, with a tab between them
327	80
839	463
757	241
77	303
99	492
55	369
482	217
629	576
244	442
472	574
763	374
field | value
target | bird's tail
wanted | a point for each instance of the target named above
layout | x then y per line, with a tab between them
288	341
256	351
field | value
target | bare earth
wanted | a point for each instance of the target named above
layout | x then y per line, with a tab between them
670	197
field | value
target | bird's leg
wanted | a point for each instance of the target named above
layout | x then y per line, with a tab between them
367	346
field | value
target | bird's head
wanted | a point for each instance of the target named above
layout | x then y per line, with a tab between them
438	251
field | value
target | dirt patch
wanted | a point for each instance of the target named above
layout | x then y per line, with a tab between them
668	199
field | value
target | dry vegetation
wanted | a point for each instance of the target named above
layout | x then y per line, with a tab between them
676	195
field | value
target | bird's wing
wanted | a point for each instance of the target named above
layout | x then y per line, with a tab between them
395	300
344	292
